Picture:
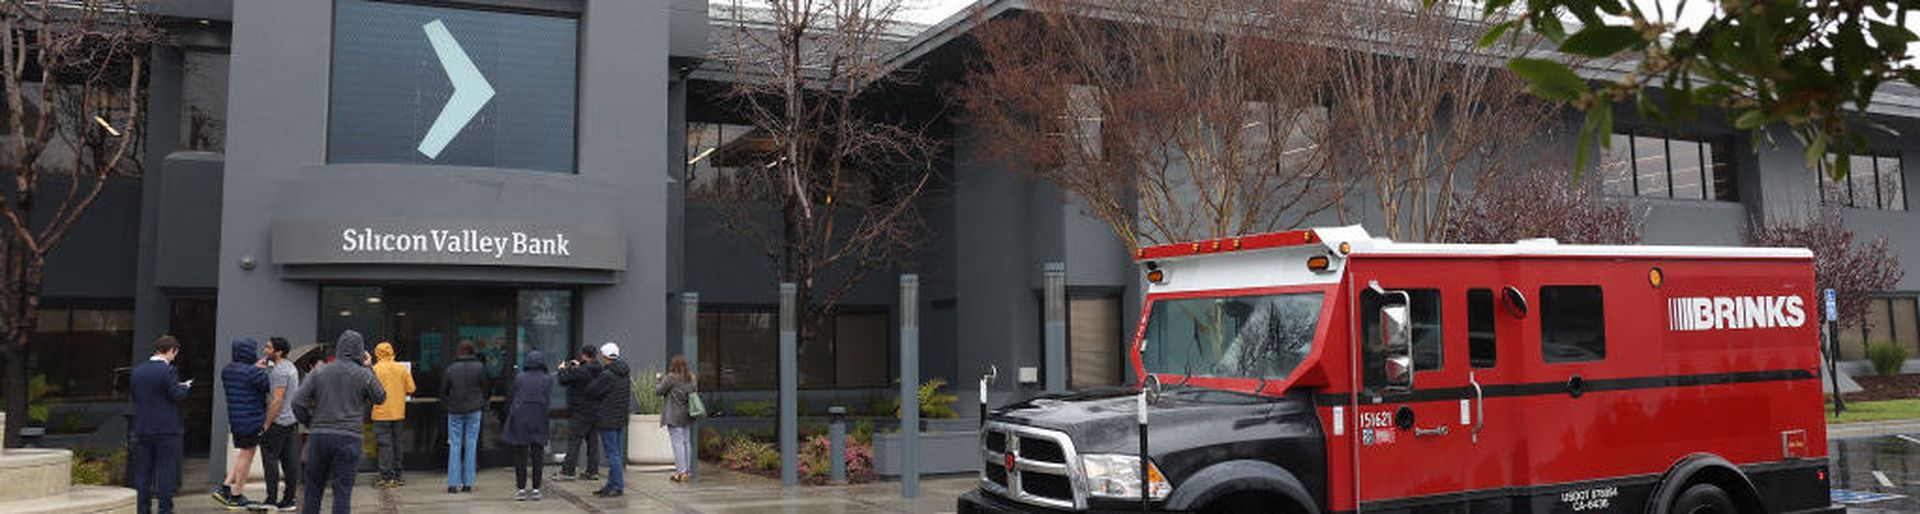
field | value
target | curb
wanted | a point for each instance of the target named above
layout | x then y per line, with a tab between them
1872	429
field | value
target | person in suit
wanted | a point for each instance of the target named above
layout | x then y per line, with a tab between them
156	395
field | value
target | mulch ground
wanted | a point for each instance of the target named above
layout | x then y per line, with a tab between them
1897	387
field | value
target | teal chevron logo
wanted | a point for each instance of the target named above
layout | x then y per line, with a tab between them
470	90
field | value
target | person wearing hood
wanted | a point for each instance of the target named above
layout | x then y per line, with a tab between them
463	392
582	443
245	380
526	427
397	380
333	404
613	400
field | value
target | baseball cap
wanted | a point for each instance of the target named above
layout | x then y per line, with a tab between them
612	351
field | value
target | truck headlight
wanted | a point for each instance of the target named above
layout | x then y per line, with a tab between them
1111	475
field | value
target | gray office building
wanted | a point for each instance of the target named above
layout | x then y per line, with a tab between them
520	174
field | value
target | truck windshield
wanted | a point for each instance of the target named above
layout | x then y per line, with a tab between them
1238	336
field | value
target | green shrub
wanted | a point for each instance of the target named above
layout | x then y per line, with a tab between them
88	471
643	391
1887	358
754	408
934	403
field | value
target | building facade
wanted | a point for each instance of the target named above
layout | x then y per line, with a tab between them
524	175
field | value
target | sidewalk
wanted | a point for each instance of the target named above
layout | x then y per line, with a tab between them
1873	429
648	490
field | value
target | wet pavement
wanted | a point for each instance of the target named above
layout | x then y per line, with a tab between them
648	490
1877	473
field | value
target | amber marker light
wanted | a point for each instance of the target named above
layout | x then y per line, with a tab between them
1346	248
1319	263
1656	277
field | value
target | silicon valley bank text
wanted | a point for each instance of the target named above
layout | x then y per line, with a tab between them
468	241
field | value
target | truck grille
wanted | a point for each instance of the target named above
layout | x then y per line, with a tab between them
1042	470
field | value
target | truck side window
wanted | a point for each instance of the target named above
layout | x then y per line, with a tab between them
1480	341
1427	351
1573	324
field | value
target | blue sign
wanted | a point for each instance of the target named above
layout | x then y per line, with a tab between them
1833	310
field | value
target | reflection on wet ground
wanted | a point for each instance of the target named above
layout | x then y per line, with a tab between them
1877	474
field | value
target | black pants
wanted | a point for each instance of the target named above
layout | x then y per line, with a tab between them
156	470
386	436
331	459
531	455
281	448
583	446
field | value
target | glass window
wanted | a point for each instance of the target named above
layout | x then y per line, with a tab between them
1906	323
1668	167
79	351
1093	341
1650	167
863	355
1242	336
740	351
1872	182
361	309
1573	324
546	324
1689	169
1427	336
409	85
1481	348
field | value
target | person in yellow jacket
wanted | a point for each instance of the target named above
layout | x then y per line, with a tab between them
397	379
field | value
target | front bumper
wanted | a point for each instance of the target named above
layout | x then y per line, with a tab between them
982	502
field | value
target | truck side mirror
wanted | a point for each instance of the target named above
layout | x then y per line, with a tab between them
1396	333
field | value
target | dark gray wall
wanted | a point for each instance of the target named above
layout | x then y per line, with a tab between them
276	143
96	260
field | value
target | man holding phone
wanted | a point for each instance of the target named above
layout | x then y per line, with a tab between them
156	394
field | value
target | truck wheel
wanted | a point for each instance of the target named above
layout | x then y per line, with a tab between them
1704	499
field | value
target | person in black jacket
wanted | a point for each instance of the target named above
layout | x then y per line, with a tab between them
463	391
157	390
577	375
612	397
526	427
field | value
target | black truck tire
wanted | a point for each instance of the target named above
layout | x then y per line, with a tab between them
1704	499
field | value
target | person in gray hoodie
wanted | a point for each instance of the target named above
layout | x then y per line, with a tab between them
333	403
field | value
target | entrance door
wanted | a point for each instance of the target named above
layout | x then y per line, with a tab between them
1415	440
427	326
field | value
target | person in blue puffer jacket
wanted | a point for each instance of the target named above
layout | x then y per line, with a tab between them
246	383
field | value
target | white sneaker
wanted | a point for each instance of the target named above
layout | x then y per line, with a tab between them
536	495
520	495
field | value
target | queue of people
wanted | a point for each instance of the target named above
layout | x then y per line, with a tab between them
268	400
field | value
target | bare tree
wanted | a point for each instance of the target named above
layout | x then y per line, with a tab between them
1168	121
1538	203
1855	272
72	72
845	178
1424	114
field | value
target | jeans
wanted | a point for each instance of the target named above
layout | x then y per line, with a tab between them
331	459
463	441
156	470
281	448
528	456
682	448
581	447
612	447
386	436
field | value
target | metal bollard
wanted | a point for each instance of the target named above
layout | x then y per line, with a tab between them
837	444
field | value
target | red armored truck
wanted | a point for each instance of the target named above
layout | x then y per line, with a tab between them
1329	371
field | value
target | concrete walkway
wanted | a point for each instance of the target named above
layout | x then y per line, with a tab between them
1873	429
648	490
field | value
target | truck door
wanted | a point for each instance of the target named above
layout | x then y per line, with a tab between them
1417	407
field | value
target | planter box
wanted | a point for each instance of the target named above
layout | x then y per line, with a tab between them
941	452
647	441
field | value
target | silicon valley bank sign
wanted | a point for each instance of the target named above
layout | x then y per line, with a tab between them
474	243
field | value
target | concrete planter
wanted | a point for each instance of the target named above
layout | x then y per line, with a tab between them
647	441
941	452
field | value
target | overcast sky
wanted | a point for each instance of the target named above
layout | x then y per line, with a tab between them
932	11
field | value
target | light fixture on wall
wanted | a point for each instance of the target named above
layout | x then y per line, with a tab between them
246	262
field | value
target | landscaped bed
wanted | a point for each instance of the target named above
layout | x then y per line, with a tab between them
1896	387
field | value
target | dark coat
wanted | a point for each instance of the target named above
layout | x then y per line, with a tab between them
612	397
463	386
247	387
156	394
336	397
578	380
673	411
527	404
